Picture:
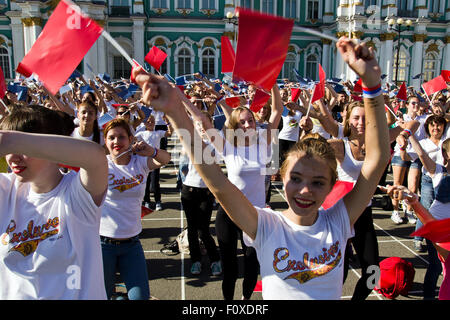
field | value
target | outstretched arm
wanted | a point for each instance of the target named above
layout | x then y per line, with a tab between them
162	96
362	60
62	149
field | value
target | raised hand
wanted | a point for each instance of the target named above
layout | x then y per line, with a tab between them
157	91
361	59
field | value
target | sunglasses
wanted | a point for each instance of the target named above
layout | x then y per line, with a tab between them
122	113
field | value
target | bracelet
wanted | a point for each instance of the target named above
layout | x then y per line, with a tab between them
155	152
370	93
408	132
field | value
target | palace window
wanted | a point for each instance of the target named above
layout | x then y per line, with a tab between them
268	6
429	66
208	63
4	63
184	4
160	4
313	10
288	67
122	68
402	67
291	9
184	62
312	67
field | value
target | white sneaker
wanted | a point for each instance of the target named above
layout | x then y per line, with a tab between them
411	218
158	206
396	217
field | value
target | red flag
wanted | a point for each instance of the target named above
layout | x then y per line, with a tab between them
259	100
446	75
233	102
2	84
437	231
358	86
340	189
402	94
295	94
69	167
434	85
258	286
262	47
145	211
66	38
155	57
319	89
228	55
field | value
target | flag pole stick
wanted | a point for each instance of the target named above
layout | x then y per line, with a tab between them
3	103
426	94
317	33
119	48
391	112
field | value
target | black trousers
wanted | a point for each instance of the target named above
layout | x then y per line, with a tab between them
227	235
366	248
153	186
198	207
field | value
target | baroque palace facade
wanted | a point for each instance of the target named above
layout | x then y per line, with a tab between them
189	31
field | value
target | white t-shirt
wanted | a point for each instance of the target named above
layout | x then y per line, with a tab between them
246	167
419	135
49	245
318	128
291	129
152	138
121	212
302	262
76	134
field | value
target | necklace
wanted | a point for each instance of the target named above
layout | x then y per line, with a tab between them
362	149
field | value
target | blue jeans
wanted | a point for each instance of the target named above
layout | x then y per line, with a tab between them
434	268
426	198
129	259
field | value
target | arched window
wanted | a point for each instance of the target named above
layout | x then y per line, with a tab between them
288	67
402	67
184	62
163	69
122	68
208	63
312	67
429	66
4	62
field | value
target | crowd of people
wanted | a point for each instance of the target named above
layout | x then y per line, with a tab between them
61	209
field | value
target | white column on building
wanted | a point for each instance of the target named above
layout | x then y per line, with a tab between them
17	37
389	56
32	27
102	58
139	39
446	55
417	57
328	12
326	55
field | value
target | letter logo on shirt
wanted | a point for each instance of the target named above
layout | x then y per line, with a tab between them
307	268
27	241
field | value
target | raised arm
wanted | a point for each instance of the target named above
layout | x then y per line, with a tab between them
162	96
362	60
87	155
